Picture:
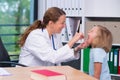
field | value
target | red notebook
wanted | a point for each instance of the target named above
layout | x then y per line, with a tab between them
45	74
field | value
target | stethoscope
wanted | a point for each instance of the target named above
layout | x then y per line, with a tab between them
53	43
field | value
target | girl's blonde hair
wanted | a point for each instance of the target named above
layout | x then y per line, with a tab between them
104	39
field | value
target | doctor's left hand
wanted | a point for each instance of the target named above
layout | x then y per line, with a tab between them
81	46
75	38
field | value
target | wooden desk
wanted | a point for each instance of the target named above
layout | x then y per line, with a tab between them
23	73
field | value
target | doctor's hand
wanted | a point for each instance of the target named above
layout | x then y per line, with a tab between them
81	46
75	38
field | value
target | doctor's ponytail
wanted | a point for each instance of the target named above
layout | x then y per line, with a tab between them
37	24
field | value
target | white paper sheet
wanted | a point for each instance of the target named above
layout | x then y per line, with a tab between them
4	72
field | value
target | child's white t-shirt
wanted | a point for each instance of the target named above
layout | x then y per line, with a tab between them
99	55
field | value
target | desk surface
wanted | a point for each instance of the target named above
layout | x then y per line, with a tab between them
23	73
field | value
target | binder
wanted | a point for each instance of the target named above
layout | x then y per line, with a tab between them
111	62
73	8
69	7
79	6
66	3
86	55
64	37
115	61
69	30
61	4
119	62
49	3
76	7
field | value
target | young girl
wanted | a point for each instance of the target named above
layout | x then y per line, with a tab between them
100	40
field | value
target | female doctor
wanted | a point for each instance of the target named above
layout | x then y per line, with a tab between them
41	44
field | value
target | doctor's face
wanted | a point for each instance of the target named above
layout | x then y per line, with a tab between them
59	25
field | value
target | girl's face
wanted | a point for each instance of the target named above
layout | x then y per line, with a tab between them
92	34
59	25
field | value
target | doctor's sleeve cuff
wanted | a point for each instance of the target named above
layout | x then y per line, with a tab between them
76	54
72	52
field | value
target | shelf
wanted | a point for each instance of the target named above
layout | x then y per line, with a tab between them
116	45
93	13
77	16
102	18
115	75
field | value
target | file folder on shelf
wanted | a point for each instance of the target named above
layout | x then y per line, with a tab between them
115	61
119	62
111	62
86	60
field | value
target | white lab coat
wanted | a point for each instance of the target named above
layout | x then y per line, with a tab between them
38	50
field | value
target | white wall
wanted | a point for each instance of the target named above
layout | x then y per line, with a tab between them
102	8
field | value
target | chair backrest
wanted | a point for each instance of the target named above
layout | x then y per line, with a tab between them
4	55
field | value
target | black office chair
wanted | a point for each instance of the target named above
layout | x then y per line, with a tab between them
5	58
